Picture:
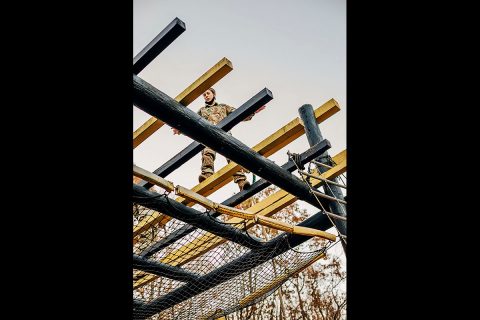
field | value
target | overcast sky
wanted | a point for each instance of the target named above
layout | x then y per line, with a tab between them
297	49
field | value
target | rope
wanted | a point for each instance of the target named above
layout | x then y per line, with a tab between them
323	209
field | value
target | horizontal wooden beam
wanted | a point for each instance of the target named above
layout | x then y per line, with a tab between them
244	215
153	178
187	96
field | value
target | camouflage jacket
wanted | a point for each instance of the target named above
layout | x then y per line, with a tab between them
217	112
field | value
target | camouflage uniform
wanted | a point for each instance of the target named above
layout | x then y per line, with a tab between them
214	114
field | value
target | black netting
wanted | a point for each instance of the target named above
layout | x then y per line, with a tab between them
217	276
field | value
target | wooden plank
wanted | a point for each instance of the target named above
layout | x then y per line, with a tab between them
267	207
153	178
187	96
267	147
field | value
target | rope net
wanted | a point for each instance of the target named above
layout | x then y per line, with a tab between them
215	276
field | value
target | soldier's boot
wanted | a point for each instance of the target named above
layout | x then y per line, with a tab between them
204	176
243	185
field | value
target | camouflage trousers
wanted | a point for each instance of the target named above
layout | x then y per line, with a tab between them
208	159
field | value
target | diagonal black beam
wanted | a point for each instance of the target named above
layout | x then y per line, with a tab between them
163	270
246	109
158	44
258	186
177	210
158	104
251	259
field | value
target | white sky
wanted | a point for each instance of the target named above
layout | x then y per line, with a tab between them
297	49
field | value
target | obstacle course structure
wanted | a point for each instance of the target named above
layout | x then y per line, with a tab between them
190	264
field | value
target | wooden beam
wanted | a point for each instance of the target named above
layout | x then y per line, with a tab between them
187	96
267	207
153	178
267	147
244	215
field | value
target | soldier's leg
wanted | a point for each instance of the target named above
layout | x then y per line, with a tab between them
208	159
240	178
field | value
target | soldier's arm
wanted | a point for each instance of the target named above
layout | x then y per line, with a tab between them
257	111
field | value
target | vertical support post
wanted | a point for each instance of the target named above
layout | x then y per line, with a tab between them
314	136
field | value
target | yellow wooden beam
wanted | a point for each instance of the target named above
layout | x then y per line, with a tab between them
153	178
269	206
267	147
242	214
187	96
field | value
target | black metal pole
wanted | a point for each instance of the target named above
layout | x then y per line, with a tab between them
163	270
258	186
158	104
191	216
314	136
232	269
158	44
226	124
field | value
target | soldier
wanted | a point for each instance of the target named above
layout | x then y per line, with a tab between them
214	112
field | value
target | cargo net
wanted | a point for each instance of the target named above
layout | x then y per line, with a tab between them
216	277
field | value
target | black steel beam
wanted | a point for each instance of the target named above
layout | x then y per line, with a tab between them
191	216
156	103
312	131
251	259
258	186
163	270
246	109
158	44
